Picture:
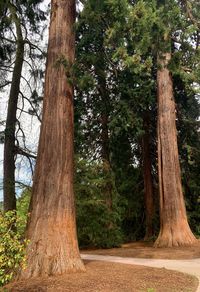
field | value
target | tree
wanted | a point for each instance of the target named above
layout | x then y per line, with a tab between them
9	147
51	228
188	111
148	24
16	18
147	175
174	227
115	103
95	91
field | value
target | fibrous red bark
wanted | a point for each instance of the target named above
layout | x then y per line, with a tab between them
53	247
174	227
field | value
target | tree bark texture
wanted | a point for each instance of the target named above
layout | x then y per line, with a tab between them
148	184
53	247
174	228
9	145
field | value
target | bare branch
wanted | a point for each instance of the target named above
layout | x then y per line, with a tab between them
25	153
5	84
33	108
9	40
21	110
27	83
23	185
20	129
34	47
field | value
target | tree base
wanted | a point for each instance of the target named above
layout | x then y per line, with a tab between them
175	238
148	236
53	268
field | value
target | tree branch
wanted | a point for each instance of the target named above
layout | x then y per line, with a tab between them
5	84
34	110
190	14
21	151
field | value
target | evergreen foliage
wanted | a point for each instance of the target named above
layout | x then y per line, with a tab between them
123	39
97	225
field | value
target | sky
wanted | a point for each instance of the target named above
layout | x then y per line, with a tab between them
30	124
31	128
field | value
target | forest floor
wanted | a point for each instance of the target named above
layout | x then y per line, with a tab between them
111	277
102	276
146	250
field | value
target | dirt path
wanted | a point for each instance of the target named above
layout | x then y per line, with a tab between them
191	266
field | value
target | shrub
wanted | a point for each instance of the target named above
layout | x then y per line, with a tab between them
12	246
22	209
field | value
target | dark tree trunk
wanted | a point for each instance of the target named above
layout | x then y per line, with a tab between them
105	149
148	183
9	146
174	228
105	152
51	229
108	188
105	107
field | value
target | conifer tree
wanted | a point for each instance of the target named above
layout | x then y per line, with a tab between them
17	18
174	227
151	27
53	247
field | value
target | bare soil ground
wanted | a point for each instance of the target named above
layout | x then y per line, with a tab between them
111	277
146	250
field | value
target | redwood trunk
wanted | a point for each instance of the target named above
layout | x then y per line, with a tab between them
105	149
148	184
9	146
174	228
53	247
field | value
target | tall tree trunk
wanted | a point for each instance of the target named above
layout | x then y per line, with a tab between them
148	184
108	188
105	149
51	229
174	228
9	146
